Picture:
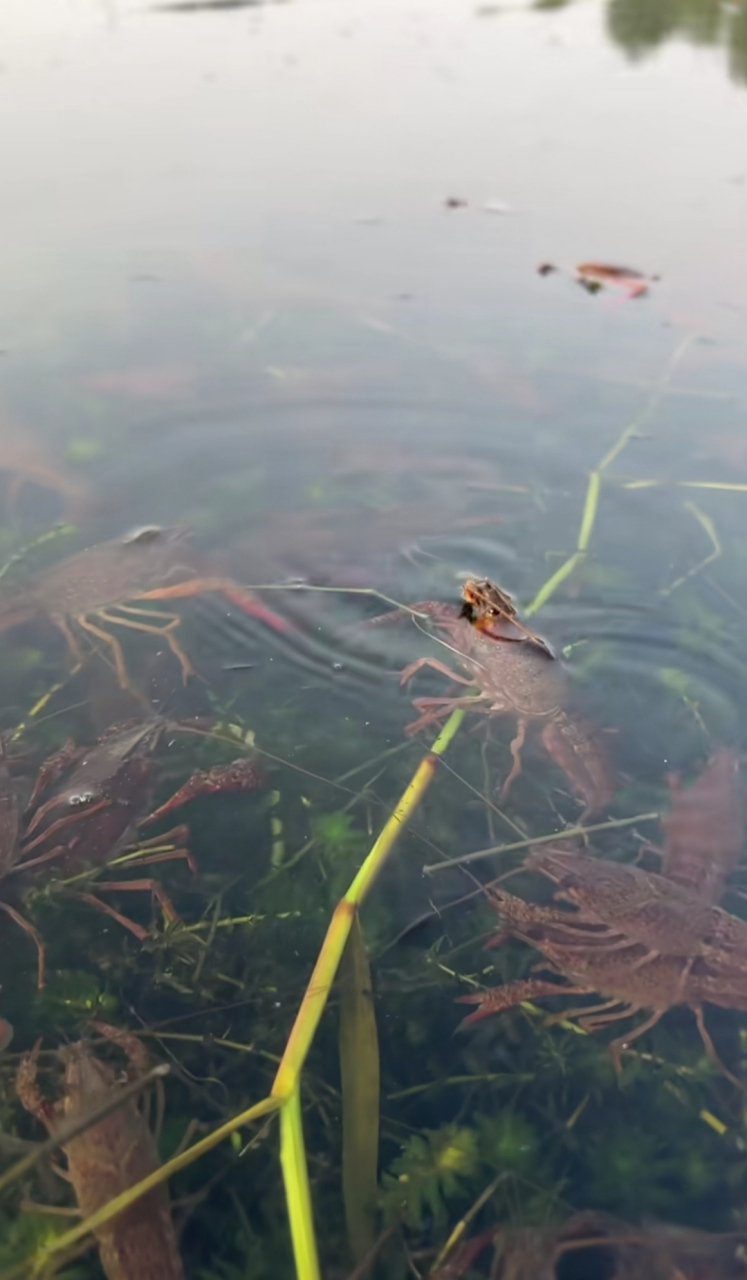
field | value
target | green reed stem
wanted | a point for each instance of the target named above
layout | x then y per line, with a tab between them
297	1189
285	1095
593	489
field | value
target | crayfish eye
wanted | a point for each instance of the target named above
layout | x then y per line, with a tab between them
80	799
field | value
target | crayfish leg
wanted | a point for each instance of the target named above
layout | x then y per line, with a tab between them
420	663
167	855
710	1048
165	632
497	999
142	886
140	933
29	1093
616	1047
131	1045
436	709
26	925
515	748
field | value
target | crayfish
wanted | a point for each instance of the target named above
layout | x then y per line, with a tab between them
644	941
96	797
114	584
109	1157
511	672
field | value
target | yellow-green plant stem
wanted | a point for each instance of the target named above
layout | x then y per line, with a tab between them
297	1189
330	955
460	1229
589	515
317	992
593	489
45	1260
68	1131
285	1095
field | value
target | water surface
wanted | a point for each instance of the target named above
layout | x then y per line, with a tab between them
270	272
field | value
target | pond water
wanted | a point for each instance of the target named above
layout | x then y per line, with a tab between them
300	280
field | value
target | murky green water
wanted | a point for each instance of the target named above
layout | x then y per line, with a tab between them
271	275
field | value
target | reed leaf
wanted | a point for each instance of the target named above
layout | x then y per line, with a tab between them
359	1067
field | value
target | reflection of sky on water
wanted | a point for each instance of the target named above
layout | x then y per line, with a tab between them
304	149
226	229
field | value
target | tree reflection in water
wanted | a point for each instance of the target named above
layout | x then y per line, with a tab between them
638	26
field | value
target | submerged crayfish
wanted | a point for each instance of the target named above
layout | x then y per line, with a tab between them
109	1157
114	584
86	802
644	941
514	674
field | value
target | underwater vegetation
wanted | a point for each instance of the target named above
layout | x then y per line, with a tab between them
253	1064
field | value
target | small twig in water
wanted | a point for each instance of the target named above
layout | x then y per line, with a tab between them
570	833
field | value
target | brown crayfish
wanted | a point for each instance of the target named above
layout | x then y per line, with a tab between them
511	672
109	1157
644	941
86	803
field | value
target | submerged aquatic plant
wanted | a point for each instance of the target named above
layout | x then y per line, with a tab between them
634	1172
336	835
219	989
430	1174
508	1143
22	1234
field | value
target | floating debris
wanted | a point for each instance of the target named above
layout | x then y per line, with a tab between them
594	276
